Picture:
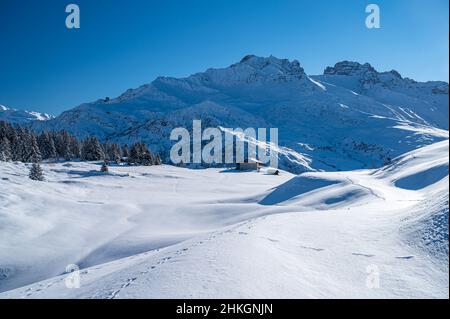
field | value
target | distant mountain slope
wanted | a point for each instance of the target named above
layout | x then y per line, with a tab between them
411	100
21	116
350	117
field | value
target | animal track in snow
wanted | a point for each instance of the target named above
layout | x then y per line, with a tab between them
312	248
405	257
125	285
363	255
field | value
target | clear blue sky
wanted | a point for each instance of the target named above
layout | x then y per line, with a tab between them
124	44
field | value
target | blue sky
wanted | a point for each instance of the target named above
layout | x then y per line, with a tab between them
124	44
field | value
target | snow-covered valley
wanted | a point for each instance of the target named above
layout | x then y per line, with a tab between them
170	232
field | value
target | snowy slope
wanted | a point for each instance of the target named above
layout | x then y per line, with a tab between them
217	233
21	116
339	121
81	216
422	102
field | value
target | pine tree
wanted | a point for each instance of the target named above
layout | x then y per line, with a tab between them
92	150
33	154
106	151
5	150
158	160
36	173
67	152
75	147
4	127
22	149
15	145
62	142
134	156
139	154
125	151
47	146
146	158
115	153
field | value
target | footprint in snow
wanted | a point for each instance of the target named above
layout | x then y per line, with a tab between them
363	255
404	257
312	248
129	282
272	240
125	285
90	202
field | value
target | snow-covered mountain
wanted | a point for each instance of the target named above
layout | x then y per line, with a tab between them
210	231
21	116
423	102
350	117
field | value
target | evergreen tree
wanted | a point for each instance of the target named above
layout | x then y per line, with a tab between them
75	147
139	154
47	146
62	142
59	144
146	158
106	151
92	150
22	149
15	145
34	154
158	160
115	153
68	152
4	127
5	150
125	151
36	173
134	156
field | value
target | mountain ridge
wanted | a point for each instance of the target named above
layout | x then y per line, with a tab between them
350	117
22	116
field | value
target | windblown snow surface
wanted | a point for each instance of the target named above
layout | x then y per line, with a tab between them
168	232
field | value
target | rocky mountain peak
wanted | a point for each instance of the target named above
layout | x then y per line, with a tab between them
349	68
253	69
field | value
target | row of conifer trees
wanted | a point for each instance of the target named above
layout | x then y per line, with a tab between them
18	143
